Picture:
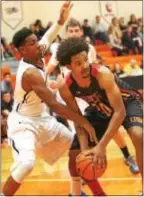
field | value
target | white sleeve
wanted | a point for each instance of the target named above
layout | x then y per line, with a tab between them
52	63
50	35
53	60
91	54
53	50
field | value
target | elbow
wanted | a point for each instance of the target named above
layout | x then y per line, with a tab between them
123	113
58	108
54	106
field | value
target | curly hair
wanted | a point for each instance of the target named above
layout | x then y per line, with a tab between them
69	48
20	36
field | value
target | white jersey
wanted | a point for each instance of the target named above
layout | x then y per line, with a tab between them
27	103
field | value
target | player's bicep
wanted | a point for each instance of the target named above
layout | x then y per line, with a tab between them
33	81
114	97
112	91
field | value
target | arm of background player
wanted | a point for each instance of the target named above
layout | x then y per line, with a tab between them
32	80
92	54
114	96
52	62
51	33
72	104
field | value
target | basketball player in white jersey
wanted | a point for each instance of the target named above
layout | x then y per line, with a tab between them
29	124
73	29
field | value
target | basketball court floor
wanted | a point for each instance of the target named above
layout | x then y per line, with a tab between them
55	180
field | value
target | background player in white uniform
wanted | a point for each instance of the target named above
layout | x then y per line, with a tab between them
73	29
29	124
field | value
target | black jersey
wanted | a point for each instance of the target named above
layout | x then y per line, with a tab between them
94	95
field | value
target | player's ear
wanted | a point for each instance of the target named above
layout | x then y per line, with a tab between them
22	49
69	67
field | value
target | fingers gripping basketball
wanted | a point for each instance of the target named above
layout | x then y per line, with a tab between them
87	169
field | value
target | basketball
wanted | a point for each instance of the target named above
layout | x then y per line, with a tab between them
87	169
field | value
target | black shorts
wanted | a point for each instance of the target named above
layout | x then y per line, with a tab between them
100	122
134	114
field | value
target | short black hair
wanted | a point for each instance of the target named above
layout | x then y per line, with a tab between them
69	48
20	36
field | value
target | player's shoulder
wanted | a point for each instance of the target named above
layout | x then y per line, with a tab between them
104	69
68	79
94	69
100	71
105	75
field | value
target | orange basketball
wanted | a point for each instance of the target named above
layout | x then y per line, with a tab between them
87	169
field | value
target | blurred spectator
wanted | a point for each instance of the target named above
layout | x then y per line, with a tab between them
122	24
133	22
6	49
116	44
2	53
140	33
100	60
118	71
6	107
50	23
39	28
6	84
87	30
132	69
140	22
131	41
3	127
35	30
32	27
100	30
6	103
117	33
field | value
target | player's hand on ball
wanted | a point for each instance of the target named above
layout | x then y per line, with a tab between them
64	12
99	156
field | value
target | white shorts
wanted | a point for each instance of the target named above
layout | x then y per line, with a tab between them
43	135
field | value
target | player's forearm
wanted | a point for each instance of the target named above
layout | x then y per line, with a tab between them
82	137
115	123
67	113
51	64
48	98
50	35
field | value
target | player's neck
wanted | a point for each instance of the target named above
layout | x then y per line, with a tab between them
82	82
34	61
38	63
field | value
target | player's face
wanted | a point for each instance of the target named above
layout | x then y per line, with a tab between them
31	48
80	65
74	32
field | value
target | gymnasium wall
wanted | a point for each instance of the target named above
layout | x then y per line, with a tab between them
49	10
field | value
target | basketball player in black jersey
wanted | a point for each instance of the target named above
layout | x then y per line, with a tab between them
112	102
